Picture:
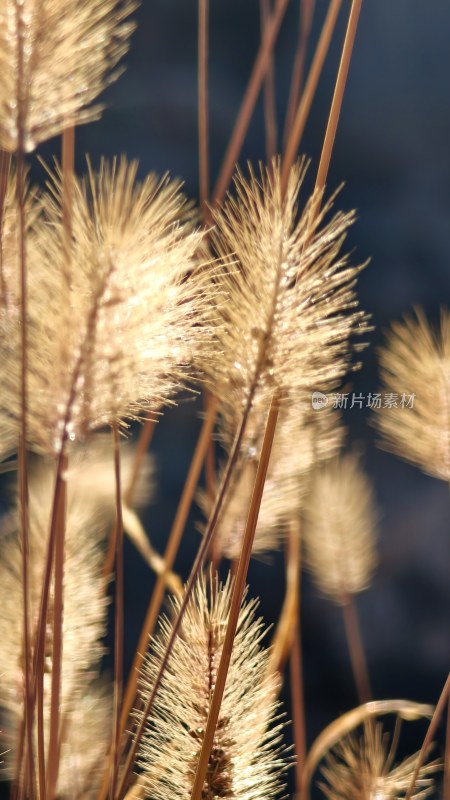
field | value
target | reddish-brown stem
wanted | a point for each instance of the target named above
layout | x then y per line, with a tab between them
203	133
236	601
5	160
293	552
298	124
306	15
356	650
142	446
338	96
201	554
438	711
284	632
298	709
118	615
169	558
57	649
68	166
258	74
171	551
270	115
29	779
210	464
39	655
23	470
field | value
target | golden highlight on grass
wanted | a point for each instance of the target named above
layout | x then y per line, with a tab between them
303	439
363	767
85	622
415	362
132	325
246	761
55	58
339	530
291	306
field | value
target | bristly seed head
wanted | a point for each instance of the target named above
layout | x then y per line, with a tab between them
416	362
245	761
114	323
339	530
362	768
63	53
289	310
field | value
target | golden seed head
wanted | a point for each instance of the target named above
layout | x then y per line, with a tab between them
290	304
56	56
114	322
339	530
303	439
245	761
416	362
362	768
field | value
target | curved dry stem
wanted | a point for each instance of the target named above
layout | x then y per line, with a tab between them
405	709
438	711
285	630
134	529
118	615
202	552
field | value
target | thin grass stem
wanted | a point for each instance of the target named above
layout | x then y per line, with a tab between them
298	708
258	74
118	614
438	711
142	446
23	437
338	96
68	167
299	121
57	644
283	637
201	554
356	650
236	601
305	20
270	114
203	126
